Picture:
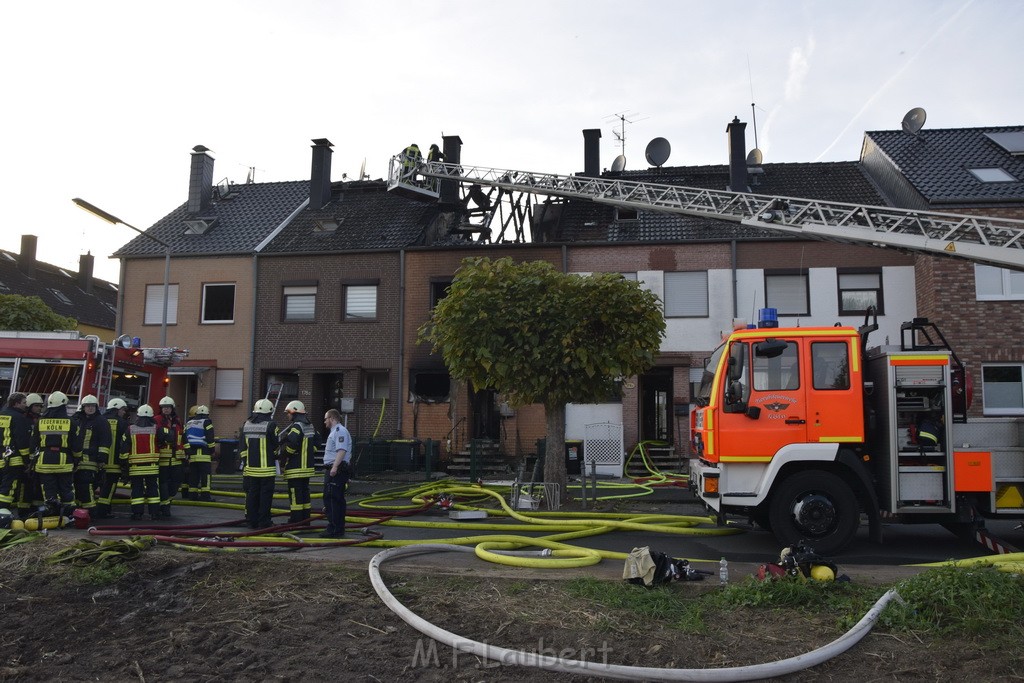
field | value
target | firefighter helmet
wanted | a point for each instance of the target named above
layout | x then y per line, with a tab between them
116	404
89	400
167	401
34	400
295	407
263	406
202	410
56	399
821	572
145	411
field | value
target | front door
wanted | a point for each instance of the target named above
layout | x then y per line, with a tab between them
485	422
656	405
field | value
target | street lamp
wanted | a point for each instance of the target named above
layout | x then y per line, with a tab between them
111	218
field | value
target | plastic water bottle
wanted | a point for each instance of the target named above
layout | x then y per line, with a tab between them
723	572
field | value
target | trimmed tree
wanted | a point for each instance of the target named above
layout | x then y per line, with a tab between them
31	314
537	335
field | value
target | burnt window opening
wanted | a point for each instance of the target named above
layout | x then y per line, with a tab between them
429	386
438	291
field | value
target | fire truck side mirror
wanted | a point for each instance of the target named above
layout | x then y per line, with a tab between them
734	398
770	348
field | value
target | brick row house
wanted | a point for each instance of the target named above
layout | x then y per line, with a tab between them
333	279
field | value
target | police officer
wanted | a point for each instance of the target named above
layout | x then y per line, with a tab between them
15	439
56	438
297	444
115	466
145	441
199	445
258	449
94	447
337	456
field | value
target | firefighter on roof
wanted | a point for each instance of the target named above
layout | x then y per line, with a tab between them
297	444
94	448
199	445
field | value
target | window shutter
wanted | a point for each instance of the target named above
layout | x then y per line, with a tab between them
361	301
787	293
299	303
229	385
155	304
686	295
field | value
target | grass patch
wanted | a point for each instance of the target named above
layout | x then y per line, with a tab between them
661	603
100	573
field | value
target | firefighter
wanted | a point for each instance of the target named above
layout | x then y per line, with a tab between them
297	444
94	447
114	467
258	448
435	154
199	444
15	437
145	441
30	494
57	440
172	454
410	157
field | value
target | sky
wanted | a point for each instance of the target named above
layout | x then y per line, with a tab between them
105	100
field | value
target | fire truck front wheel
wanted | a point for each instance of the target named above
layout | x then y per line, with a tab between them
816	507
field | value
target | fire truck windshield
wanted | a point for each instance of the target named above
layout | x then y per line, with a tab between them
707	379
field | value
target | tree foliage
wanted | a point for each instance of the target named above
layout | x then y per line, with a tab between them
30	313
537	335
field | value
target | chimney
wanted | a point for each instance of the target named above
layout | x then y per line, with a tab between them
27	258
320	174
85	262
592	152
200	180
452	155
737	156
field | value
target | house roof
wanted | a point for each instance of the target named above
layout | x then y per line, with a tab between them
239	222
842	181
360	216
937	162
59	289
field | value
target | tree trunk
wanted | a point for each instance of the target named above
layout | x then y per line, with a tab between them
554	457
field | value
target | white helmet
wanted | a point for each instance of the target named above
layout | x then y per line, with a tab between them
89	400
167	401
34	400
116	403
295	407
263	406
145	410
202	410
57	398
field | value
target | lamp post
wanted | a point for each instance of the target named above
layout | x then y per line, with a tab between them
111	218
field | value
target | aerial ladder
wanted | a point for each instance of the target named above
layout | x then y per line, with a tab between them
981	239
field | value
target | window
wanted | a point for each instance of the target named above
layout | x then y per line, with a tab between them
438	291
299	303
830	365
787	293
998	284
1003	389
375	384
779	373
430	386
686	295
629	276
624	214
61	296
218	303
155	305
992	175
229	385
360	302
858	291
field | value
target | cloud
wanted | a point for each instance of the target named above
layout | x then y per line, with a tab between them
799	67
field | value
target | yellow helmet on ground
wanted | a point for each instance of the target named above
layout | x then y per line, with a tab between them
820	572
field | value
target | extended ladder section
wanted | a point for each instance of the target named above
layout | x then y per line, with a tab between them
994	241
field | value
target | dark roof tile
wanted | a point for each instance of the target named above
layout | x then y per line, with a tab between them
97	308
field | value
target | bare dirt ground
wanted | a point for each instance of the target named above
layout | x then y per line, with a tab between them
185	616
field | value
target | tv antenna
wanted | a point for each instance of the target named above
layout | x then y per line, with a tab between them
753	108
624	118
250	176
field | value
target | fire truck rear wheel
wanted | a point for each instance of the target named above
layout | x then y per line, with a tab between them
816	507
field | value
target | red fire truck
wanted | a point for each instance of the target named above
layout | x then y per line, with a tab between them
43	362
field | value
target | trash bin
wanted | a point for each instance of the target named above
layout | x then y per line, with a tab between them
573	457
228	463
405	453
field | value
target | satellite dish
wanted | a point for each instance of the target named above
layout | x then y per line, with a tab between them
913	122
362	169
657	152
619	163
755	157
